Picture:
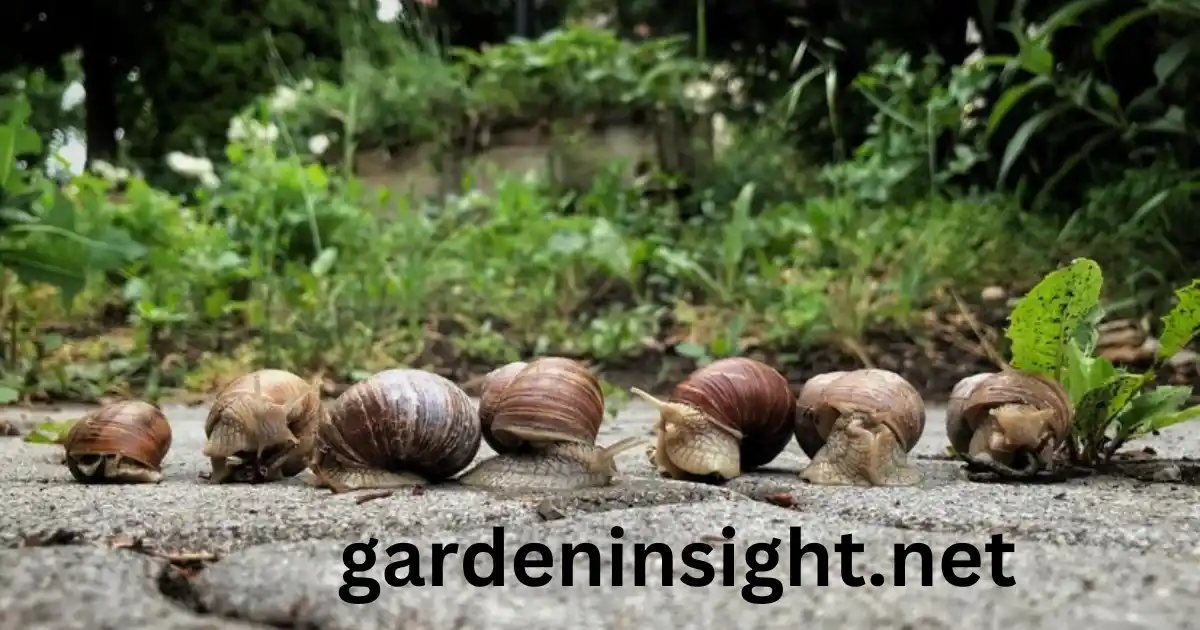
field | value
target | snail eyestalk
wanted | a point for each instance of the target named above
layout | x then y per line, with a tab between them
861	451
691	443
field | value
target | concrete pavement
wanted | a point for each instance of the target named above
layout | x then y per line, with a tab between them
1099	552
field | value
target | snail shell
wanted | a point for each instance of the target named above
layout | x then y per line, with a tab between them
728	417
262	427
401	427
542	418
123	442
857	428
1010	422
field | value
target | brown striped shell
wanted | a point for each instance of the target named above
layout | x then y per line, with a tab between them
973	398
882	394
399	421
133	429
547	400
748	396
262	414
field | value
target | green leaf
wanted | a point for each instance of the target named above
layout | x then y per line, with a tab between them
50	432
1144	407
1159	423
1181	322
8	395
1100	406
1016	145
1010	98
1171	59
1113	29
1046	318
1082	373
324	262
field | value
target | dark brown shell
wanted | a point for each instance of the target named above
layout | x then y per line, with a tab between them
133	429
494	384
974	396
880	393
403	420
550	395
747	395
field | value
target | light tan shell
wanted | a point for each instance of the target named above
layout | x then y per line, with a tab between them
975	396
265	418
547	400
400	427
131	430
882	394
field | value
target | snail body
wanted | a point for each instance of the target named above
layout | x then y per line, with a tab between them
1009	422
262	427
123	442
401	427
542	419
857	428
726	418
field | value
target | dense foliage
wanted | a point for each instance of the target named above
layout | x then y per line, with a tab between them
823	204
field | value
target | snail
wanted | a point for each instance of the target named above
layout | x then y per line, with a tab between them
401	427
122	442
1010	423
542	419
857	428
731	416
261	427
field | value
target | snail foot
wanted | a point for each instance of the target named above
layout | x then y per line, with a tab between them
346	479
560	466
861	451
110	469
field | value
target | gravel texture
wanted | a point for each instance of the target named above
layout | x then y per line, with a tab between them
1104	552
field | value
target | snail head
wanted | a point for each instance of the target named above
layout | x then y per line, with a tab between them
1016	428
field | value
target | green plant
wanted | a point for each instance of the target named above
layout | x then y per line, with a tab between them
1053	333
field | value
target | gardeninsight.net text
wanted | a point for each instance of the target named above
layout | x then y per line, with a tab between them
536	564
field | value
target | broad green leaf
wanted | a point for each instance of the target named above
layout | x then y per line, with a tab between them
1180	324
1159	423
1016	145
1113	29
50	432
8	395
1100	405
1171	59
1144	407
1011	97
1083	373
1046	318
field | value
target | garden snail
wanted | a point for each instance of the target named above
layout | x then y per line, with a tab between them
857	428
123	442
401	427
726	418
1008	422
542	418
261	427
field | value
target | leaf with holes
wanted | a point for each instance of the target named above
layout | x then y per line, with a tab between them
1181	323
1046	318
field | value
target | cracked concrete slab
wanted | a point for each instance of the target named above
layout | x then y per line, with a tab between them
1094	551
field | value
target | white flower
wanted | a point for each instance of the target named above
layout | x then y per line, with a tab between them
318	144
191	166
700	93
110	172
283	99
237	129
243	129
210	180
